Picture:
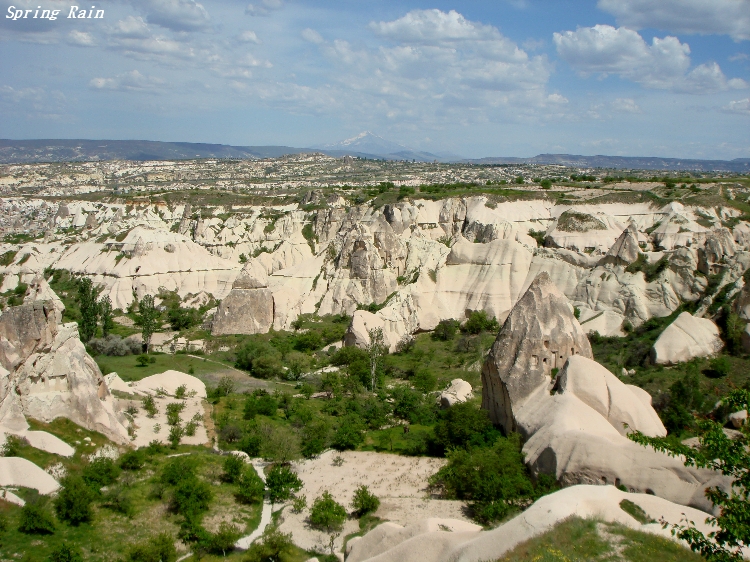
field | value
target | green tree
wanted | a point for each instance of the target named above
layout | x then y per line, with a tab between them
89	308
191	498
729	456
106	315
65	553
147	318
445	330
282	483
465	426
364	501
73	502
250	488
326	513
376	350
222	541
271	548
233	466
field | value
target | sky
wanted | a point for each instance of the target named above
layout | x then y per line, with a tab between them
666	78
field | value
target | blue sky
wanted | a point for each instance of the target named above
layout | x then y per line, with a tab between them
474	78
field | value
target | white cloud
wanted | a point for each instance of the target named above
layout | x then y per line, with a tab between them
739	56
81	38
739	106
625	105
264	7
132	81
664	64
721	17
138	39
312	36
177	15
249	37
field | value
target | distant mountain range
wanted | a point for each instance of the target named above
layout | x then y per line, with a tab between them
364	145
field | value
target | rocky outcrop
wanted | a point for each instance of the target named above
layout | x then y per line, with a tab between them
686	338
46	373
575	424
719	246
625	250
538	336
458	391
248	309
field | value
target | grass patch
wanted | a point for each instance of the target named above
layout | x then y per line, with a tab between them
636	512
586	539
129	370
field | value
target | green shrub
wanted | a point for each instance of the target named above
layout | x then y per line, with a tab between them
133	460
149	405
100	472
445	330
259	358
65	553
13	444
272	548
464	426
191	498
35	518
282	483
684	397
260	402
156	549
178	469
314	437
348	435
222	541
121	501
425	380
479	322
326	513
233	466
250	488
73	501
364	501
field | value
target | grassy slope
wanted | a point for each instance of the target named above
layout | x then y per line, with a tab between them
588	540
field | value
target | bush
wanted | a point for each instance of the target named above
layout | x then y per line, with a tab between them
35	518
721	366
191	498
119	500
465	426
314	437
100	472
282	483
271	548
133	460
684	397
250	488
178	469
65	553
149	405
326	513
73	502
349	434
425	380
260	402
364	501
142	360
479	322
260	359
445	330
494	479
412	406
348	355
222	541
175	435
115	346
183	318
156	549
233	466
12	445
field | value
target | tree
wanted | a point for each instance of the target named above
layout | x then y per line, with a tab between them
147	318
376	349
222	541
73	503
106	315
364	501
191	498
233	466
156	549
732	458
250	488
282	483
326	513
271	548
89	309
445	330
66	553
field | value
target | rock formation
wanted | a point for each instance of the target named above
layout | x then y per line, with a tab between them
248	309
686	338
457	392
625	250
538	336
575	423
46	373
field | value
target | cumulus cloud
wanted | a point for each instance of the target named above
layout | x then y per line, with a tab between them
739	106
177	15
81	38
134	37
249	37
264	7
721	17
664	64
128	82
